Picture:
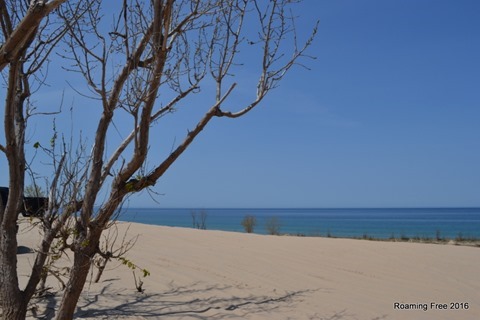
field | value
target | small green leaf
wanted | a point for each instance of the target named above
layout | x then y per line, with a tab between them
36	145
145	273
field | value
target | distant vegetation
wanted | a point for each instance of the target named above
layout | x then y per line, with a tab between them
458	240
34	190
249	223
199	219
272	225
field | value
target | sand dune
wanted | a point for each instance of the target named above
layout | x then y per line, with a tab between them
198	274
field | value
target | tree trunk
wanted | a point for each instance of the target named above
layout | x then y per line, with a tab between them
12	300
84	253
78	276
15	311
12	304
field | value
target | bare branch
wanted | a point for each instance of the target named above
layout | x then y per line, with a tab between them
149	180
19	39
126	142
5	21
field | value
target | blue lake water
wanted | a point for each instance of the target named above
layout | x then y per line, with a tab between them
379	223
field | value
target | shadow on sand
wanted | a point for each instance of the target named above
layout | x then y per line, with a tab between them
23	250
196	301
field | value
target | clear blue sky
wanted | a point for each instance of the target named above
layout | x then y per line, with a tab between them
388	116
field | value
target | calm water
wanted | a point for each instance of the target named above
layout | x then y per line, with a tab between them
379	223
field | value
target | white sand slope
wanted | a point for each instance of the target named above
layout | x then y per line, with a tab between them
198	274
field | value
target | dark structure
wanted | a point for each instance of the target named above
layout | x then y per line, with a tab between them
4	196
32	206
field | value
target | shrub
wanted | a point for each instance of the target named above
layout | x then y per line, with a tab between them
199	220
272	225
249	223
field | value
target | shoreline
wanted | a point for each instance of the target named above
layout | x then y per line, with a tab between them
454	224
458	241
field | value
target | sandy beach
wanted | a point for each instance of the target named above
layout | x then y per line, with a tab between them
202	274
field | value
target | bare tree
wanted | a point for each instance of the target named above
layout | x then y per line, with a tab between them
173	46
155	55
28	35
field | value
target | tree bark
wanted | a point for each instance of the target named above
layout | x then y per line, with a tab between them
13	305
11	298
78	277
